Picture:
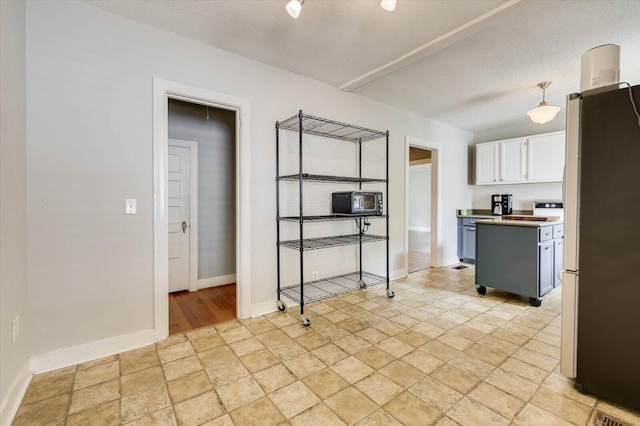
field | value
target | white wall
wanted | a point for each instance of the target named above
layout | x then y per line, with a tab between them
523	194
216	182
89	84
420	197
13	251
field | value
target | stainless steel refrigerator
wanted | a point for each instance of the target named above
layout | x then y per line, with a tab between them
600	345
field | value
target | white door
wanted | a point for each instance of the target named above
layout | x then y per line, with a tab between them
546	157
178	194
513	161
486	163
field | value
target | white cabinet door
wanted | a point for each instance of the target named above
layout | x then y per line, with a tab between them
513	161
546	157
487	159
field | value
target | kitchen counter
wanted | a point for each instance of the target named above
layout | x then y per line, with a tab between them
486	213
530	223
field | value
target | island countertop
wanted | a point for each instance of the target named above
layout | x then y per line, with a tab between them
529	223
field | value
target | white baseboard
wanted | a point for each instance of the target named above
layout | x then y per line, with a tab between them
397	274
216	281
419	229
270	306
12	400
90	351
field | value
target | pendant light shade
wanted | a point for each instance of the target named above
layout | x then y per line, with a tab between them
388	5
294	7
544	112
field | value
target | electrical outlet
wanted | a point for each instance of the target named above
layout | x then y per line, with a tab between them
314	276
15	327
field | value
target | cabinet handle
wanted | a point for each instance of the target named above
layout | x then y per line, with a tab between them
546	248
472	222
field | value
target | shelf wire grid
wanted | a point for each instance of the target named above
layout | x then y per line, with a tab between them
326	242
331	129
333	179
328	218
328	287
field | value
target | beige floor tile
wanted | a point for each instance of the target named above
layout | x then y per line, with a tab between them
510	336
235	334
446	421
411	410
164	417
354	310
174	352
54	374
564	386
395	347
486	354
48	389
372	335
246	346
412	337
274	378
435	394
439	350
325	383
181	367
304	365
471	365
187	387
455	378
442	323
512	384
198	410
498	400
172	340
404	320
240	392
534	416
286	350
379	388
536	359
429	330
144	403
561	406
319	414
374	357
470	413
320	308
221	421
228	325
390	328
336	316
205	343
422	361
43	412
259	360
499	344
273	337
352	344
402	373
332	332
92	375
227	372
543	348
330	354
281	321
201	332
99	361
94	395
293	399
139	361
260	325
351	405
352	325
352	369
455	341
379	417
295	330
525	370
311	341
141	380
260	412
216	356
105	414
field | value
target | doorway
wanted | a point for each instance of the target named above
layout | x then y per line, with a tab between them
163	92
419	205
201	199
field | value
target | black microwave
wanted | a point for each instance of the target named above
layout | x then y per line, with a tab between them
356	202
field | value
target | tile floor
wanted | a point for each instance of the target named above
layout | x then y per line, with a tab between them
437	353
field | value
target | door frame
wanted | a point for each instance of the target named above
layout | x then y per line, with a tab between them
193	208
163	90
436	166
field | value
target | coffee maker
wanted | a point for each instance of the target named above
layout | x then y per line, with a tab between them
501	204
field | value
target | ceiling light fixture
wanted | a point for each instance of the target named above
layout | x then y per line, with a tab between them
294	7
388	5
544	112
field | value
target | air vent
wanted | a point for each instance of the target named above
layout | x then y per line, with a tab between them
603	419
460	267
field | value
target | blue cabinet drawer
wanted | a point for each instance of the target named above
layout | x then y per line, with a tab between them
470	221
546	233
558	231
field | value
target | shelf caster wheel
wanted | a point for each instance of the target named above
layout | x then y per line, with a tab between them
363	285
535	302
390	294
481	289
282	307
306	322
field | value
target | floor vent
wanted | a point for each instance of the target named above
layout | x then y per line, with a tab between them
604	420
460	267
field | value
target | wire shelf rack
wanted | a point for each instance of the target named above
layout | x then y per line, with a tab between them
328	287
329	128
331	217
326	242
330	179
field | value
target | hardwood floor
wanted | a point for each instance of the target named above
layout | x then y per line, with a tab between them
190	310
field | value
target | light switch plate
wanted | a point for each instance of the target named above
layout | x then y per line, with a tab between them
130	206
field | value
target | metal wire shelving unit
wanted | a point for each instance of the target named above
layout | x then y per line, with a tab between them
306	292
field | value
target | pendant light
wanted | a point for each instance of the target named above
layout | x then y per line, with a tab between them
294	7
388	5
544	112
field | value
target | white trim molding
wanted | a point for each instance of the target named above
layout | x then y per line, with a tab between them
13	398
216	281
163	90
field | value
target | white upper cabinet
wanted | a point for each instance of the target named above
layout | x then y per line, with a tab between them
538	158
546	157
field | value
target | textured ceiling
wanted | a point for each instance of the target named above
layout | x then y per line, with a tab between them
471	63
